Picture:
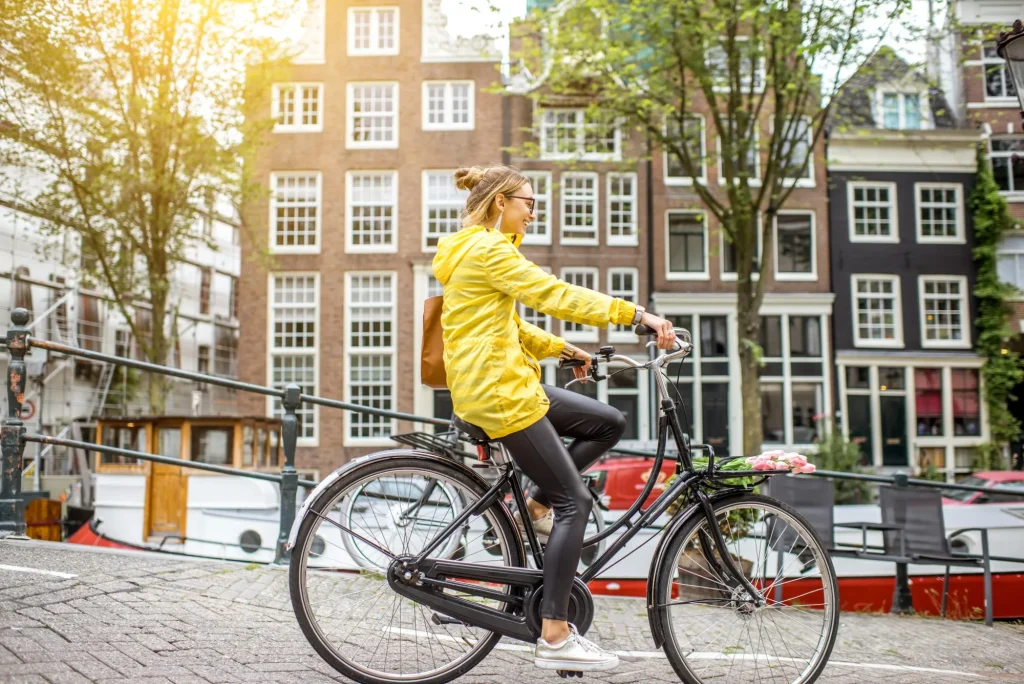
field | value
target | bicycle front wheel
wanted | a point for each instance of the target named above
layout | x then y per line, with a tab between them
714	629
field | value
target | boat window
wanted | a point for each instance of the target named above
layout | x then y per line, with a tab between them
247	444
122	437
212	445
275	447
261	447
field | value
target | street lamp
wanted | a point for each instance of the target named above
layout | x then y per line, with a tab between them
1010	47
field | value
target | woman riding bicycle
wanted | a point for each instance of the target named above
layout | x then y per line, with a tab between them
491	360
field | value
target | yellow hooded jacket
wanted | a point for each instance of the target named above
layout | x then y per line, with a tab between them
490	355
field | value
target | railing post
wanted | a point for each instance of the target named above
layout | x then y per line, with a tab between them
289	476
12	507
902	599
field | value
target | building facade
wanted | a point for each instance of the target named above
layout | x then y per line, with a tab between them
900	172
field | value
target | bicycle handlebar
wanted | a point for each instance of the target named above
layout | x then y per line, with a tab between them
683	348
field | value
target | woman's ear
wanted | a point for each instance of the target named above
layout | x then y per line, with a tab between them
499	201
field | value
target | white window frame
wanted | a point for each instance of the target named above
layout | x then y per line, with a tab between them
733	276
758	77
782	275
351	351
590	333
959	238
687	180
986	62
374	49
808	181
581	126
703	275
1017	254
633	238
545	237
296	88
755	180
615	334
1017	194
897	341
787	379
894	225
965	313
425	204
901	93
590	241
447	124
350	247
273	351
318	230
350	142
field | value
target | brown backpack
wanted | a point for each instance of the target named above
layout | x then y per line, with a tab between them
432	350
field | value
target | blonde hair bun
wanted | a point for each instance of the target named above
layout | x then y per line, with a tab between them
467	177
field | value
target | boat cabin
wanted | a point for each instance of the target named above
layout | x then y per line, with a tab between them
163	491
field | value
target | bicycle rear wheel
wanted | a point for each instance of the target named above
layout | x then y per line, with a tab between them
714	630
345	606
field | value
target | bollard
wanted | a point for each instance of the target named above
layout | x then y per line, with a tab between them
289	476
12	507
902	600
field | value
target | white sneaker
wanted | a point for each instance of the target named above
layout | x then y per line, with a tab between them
542	526
575	654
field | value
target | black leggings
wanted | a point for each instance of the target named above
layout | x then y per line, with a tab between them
555	470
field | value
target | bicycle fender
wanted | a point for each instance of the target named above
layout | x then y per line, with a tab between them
660	560
356	463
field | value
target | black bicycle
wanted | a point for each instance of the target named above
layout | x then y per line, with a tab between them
741	589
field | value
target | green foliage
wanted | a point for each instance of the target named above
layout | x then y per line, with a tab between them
124	121
837	453
1002	370
933	474
763	74
989	456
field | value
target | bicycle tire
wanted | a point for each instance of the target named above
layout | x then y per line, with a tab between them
297	568
671	548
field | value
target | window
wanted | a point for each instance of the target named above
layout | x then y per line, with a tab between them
233	303
448	105
372	31
624	394
579	208
205	276
794	244
998	83
1010	261
753	160
901	111
622	219
944	311
581	277
371	354
751	66
792	377
90	323
928	401
442	207
572	133
297	106
797	153
728	251
939	212
372	115
693	138
225	351
873	212
539	232
372	208
203	359
966	403
687	245
1007	155
623	283
295	212
877	317
294	321
213	445
144	330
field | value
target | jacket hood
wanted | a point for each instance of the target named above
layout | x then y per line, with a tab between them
452	249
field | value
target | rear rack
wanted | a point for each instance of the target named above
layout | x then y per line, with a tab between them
446	443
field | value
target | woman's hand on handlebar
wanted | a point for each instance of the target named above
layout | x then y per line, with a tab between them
582	373
662	328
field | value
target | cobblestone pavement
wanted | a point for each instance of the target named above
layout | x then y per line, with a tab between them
145	618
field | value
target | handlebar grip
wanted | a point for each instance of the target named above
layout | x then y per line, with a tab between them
642	329
571	363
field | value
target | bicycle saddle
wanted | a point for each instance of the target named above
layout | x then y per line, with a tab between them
470	430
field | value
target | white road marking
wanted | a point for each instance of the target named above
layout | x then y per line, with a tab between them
52	573
522	648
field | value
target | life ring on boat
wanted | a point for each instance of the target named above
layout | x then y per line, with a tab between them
28	410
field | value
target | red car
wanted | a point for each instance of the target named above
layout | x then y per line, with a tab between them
1009	479
620	480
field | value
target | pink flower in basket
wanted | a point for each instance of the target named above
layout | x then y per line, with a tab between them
781	460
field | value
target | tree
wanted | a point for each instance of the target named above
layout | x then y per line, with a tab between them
763	73
132	115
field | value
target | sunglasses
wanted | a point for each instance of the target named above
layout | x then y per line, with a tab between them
530	201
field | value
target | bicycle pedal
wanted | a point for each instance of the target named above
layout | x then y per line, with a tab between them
439	619
569	673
